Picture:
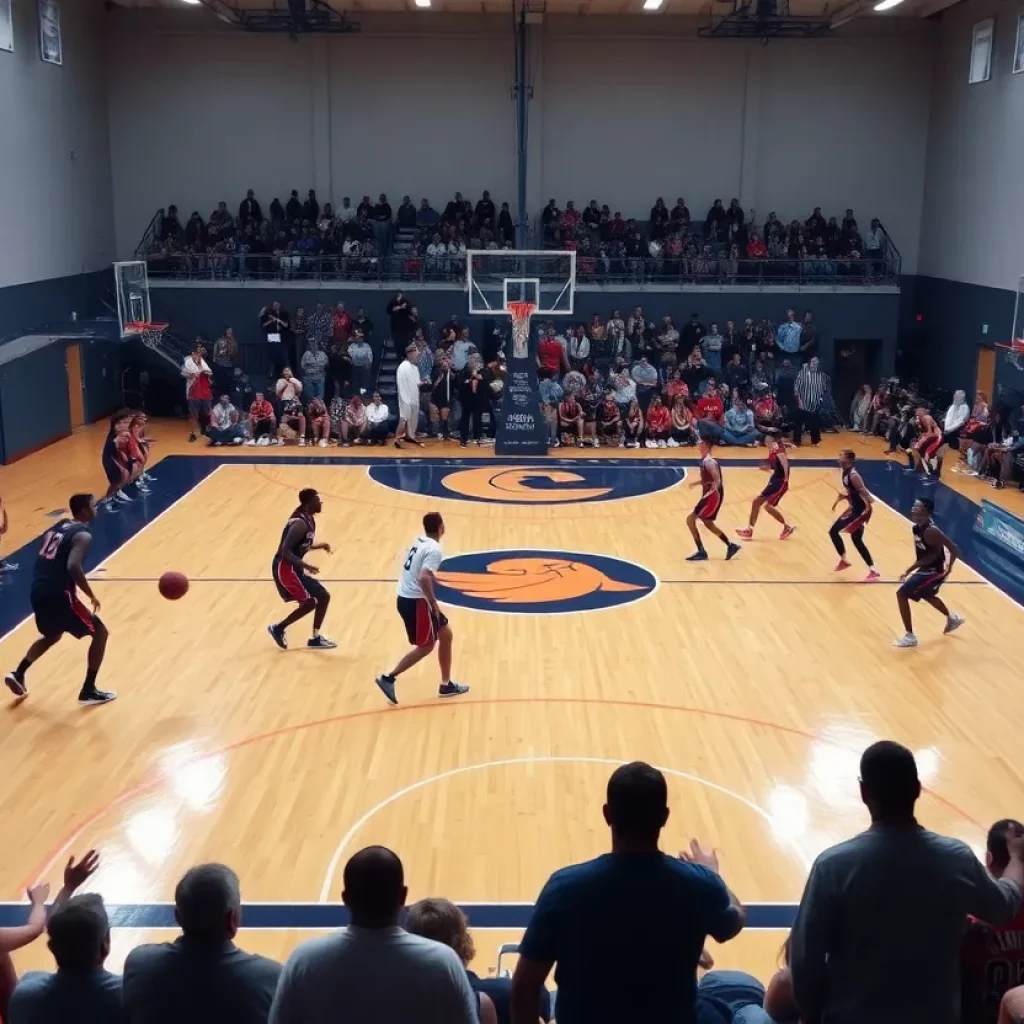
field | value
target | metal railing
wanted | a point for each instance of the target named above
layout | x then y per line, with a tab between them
708	272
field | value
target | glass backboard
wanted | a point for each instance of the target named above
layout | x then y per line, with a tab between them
545	278
132	282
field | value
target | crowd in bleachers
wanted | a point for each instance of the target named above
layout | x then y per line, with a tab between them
896	924
303	240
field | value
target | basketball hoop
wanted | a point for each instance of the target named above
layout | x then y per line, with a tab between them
150	333
520	312
1014	353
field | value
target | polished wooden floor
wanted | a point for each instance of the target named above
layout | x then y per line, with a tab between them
755	683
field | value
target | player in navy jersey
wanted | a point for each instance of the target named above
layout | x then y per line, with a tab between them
710	504
922	580
856	516
294	576
769	498
58	576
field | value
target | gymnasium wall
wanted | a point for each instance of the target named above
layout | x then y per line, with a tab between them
625	109
54	156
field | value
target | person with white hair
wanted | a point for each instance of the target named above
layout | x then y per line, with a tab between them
956	417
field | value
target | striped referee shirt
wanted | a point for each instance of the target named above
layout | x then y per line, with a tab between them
811	387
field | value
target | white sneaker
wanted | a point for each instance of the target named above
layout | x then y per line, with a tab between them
302	442
251	443
672	443
264	441
662	444
955	621
907	640
323	442
277	442
238	440
122	497
649	444
622	443
596	443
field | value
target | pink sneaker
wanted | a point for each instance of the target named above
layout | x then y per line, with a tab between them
746	533
872	576
843	564
787	532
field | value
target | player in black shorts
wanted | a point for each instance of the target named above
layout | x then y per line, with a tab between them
294	576
706	511
769	498
855	518
115	464
59	573
922	580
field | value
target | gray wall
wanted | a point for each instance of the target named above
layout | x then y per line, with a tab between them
55	152
973	219
625	109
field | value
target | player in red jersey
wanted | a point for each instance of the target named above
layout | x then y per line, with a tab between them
924	450
855	518
992	958
769	498
707	509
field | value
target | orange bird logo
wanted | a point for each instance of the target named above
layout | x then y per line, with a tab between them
535	580
511	484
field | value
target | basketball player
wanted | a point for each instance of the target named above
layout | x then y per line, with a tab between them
59	573
425	623
769	498
922	580
294	576
925	447
712	496
115	465
854	519
5	566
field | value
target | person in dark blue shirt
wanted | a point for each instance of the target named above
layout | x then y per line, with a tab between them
627	929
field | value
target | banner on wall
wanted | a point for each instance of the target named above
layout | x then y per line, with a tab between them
6	27
51	47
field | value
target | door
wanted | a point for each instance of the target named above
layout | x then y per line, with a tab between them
985	374
855	363
76	396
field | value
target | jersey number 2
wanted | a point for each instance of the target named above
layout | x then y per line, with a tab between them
51	542
408	561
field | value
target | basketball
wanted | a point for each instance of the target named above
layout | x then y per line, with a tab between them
173	585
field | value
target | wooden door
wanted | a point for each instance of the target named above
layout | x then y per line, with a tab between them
76	392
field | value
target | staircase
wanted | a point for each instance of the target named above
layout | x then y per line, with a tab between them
386	374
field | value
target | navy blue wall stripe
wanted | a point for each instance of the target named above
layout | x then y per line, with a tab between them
333	915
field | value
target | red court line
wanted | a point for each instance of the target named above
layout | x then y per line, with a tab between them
287	730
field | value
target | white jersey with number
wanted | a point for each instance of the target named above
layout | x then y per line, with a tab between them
425	553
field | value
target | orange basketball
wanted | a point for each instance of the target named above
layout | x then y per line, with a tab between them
173	585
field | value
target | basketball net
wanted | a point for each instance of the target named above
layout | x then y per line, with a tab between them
520	312
1015	353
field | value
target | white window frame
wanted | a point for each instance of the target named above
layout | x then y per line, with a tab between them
1018	52
978	36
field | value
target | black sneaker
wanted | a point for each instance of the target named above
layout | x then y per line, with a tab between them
192	438
277	635
95	696
732	551
16	684
451	689
387	687
321	643
698	556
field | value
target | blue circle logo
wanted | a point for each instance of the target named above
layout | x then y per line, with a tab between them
538	582
539	484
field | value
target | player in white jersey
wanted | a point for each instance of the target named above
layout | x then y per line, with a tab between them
425	624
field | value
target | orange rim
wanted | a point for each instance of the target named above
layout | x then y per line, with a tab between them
521	310
140	326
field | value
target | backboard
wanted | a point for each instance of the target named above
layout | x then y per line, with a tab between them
497	277
132	282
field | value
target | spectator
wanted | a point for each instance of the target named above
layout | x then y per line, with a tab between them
293	208
398	313
711	345
406	215
615	328
201	977
198	389
849	963
550	353
340	366
633	425
634	913
679	216
506	227
692	334
579	347
363	323
426	215
570	419
808	337
407	379
788	334
224	425
609	421
320	326
684	424
736	375
277	328
170	226
710	407
289	387
442	921
956	417
292	424
472	400
81	991
860	407
550	392
314	369
226	357
361	358
377	420
716	222
276	211
355	423
694	370
374	969
739	425
668	343
874	245
810	388
319	421
659	424
382	223
815	224
241	392
249	211
646	378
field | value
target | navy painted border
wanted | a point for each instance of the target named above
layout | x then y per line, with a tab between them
334	915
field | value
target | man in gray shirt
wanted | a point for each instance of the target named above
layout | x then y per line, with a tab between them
877	935
374	970
202	977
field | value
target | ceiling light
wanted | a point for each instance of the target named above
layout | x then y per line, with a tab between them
422	3
886	5
652	5
193	3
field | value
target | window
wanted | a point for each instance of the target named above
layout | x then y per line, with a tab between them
1018	53
981	51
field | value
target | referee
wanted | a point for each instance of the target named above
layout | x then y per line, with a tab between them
810	386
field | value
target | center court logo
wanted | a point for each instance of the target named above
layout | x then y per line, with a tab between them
528	485
534	582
